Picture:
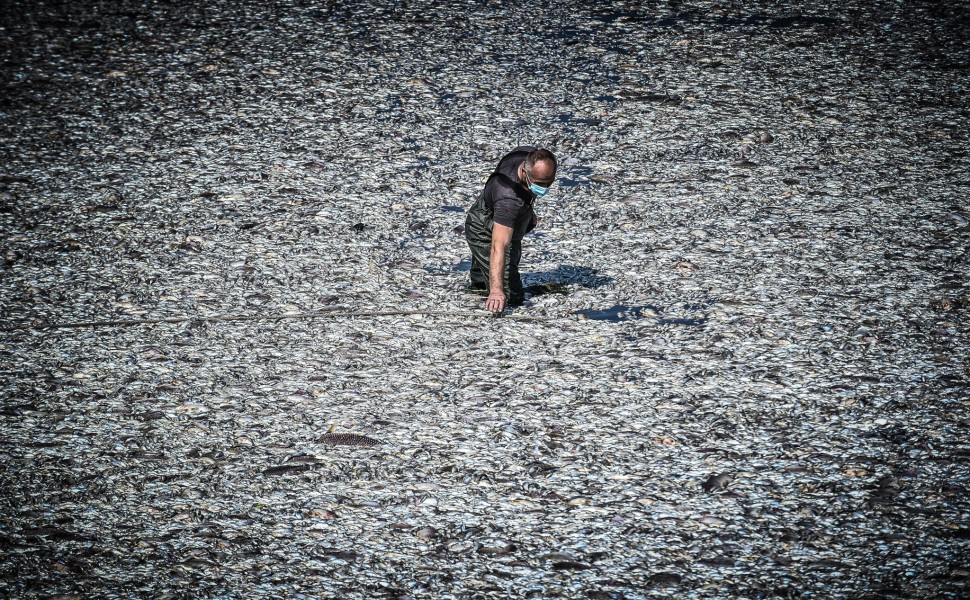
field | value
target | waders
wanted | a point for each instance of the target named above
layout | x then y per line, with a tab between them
478	232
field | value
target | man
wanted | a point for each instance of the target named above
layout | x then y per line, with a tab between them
499	219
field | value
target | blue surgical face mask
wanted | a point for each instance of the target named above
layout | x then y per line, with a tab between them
538	191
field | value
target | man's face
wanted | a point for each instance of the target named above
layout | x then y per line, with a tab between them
543	174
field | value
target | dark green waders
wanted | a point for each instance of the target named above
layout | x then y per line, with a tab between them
478	232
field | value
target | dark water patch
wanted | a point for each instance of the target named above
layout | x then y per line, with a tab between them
624	312
615	314
577	176
564	182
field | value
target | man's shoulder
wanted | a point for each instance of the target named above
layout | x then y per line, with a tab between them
501	187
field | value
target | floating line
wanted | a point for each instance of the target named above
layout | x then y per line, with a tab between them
319	314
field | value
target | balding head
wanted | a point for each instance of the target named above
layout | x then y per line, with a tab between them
540	167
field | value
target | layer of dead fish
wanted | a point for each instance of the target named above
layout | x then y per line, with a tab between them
749	376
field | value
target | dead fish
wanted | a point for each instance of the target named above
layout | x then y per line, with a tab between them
498	549
665	578
559	557
764	137
712	521
286	469
570	565
716	482
342	554
347	439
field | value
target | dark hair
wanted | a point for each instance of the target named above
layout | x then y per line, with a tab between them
540	155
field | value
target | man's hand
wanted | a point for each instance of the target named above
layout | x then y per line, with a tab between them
501	238
495	302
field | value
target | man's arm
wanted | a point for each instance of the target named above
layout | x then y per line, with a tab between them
501	238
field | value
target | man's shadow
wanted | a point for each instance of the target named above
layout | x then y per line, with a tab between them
558	281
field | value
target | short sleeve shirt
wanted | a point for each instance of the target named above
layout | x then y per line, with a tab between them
505	196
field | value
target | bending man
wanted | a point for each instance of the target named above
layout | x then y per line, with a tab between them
499	219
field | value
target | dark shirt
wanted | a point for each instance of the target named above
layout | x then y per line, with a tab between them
508	200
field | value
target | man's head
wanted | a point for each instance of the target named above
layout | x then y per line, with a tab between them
539	169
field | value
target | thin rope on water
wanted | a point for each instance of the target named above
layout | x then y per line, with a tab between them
319	314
